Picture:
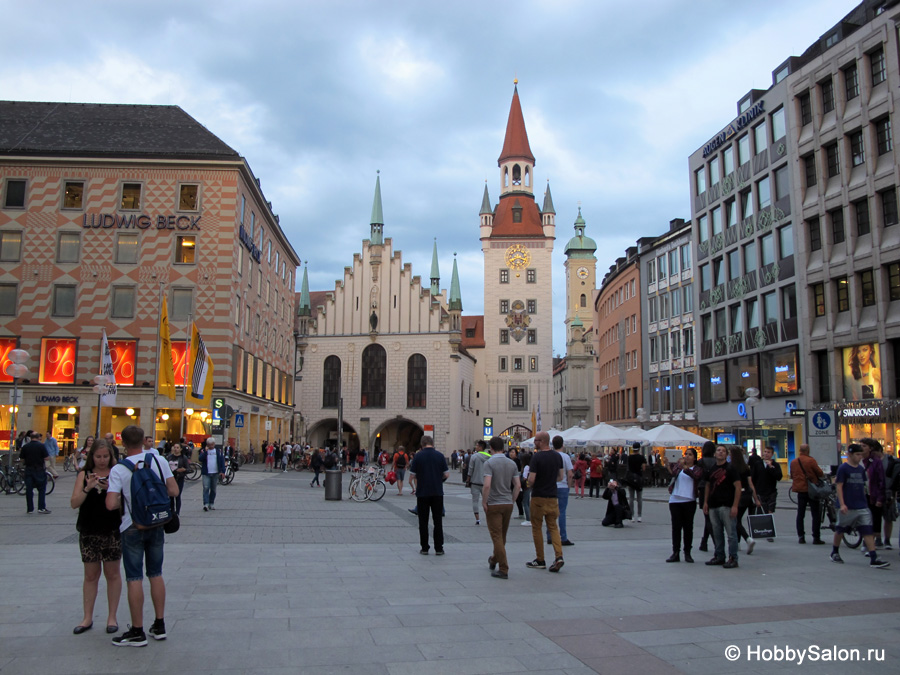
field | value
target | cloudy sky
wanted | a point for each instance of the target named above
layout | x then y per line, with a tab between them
319	95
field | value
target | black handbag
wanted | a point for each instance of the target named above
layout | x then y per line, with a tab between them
173	525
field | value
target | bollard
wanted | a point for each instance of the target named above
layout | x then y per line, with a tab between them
333	485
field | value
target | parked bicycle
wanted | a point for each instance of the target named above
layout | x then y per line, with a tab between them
368	486
71	462
12	479
231	465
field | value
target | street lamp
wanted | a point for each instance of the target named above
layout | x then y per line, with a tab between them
17	369
751	401
642	417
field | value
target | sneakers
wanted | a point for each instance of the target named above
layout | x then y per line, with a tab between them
158	630
477	522
557	565
44	511
836	558
536	564
205	507
887	546
526	522
133	637
730	564
439	551
415	511
491	564
751	543
879	563
639	519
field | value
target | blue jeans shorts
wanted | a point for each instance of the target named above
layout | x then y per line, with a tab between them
138	546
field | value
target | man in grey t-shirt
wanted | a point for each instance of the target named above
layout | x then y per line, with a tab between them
499	493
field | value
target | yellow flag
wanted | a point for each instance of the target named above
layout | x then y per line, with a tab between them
165	381
533	422
200	384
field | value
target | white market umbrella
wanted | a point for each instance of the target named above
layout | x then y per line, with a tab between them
605	435
669	436
529	443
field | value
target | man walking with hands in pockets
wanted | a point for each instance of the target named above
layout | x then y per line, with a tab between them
499	493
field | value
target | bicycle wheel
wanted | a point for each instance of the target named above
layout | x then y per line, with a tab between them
193	473
853	538
358	490
793	496
377	491
51	483
18	483
229	476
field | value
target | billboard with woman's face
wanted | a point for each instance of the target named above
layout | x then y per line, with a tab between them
862	372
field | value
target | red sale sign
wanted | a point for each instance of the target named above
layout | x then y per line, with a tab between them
57	361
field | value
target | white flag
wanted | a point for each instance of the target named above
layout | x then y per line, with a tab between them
539	415
108	391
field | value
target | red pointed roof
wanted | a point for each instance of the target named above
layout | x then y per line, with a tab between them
515	145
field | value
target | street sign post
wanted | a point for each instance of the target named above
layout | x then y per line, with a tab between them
821	430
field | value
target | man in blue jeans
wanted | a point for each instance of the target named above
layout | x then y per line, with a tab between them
723	492
562	491
33	455
138	545
212	467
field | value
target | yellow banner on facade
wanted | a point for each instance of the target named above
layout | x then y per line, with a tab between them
165	380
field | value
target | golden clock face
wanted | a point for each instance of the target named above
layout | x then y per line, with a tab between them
582	272
517	257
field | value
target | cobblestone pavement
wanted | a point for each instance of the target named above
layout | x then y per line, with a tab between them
276	579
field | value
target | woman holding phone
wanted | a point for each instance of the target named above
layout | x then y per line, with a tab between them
98	537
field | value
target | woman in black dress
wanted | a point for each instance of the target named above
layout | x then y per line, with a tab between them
98	539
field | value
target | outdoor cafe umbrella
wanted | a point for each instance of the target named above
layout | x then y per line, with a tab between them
669	436
604	435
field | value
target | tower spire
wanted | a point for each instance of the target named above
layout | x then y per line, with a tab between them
435	272
486	203
515	144
377	221
455	302
304	309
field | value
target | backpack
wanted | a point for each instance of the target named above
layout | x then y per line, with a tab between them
150	505
401	461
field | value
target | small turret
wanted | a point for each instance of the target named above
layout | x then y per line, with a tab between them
435	272
487	214
548	214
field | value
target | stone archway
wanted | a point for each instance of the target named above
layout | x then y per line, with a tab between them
396	432
323	434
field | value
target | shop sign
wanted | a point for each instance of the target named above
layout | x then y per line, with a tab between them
55	399
179	358
742	410
247	241
57	361
725	135
861	412
108	221
487	431
6	346
123	354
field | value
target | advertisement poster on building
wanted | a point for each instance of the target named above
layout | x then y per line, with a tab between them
862	372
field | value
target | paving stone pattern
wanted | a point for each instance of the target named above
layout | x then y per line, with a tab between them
276	580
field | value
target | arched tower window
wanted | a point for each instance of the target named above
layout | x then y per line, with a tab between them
374	367
583	300
527	177
506	177
331	382
416	381
517	175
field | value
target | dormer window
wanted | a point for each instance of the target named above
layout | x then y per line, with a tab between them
517	214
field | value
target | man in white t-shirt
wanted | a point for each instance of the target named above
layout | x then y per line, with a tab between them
562	490
138	545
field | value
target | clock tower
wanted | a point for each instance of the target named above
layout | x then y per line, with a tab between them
516	367
581	278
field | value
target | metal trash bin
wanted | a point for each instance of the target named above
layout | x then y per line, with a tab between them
333	485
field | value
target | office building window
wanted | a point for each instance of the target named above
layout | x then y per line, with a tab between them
700	180
687	341
734	264
843	294
530	276
131	197
809	169
876	61
827	89
126	248
746	204
728	159
884	135
712	383
10	245
764	193
188	197
73	194
374	369
786	242
833	160
685	258
861	210
837	226
805	109
737	319
789	302
857	148
770	307
778	125
654	349
705	282
767	248
889	206
867	288
779	370
743	149
781	183
687	302
8	299
818	292
815	234
15	194
730	213
504	336
186	248
894	281
68	247
702	232
760	137
716	220
750	262
714	171
122	302
752	314
851	81
504	306
182	304
63	300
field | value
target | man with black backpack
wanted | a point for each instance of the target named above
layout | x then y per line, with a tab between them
144	484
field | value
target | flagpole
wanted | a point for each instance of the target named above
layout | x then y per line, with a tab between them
158	363
99	395
187	371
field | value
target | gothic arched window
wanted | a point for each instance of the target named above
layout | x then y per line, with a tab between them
374	367
331	382
583	300
416	381
517	175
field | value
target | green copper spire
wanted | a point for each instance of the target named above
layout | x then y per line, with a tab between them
580	246
304	308
377	221
455	298
486	209
548	201
435	272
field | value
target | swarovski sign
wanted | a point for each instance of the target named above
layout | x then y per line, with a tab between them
861	412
